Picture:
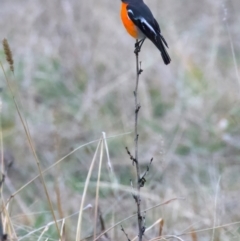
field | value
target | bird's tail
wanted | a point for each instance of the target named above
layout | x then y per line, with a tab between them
159	41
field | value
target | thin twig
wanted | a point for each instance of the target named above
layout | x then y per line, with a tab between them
137	108
102	223
142	180
125	233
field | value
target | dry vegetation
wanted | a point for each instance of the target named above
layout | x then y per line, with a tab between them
74	76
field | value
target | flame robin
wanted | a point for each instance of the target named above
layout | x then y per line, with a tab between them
139	22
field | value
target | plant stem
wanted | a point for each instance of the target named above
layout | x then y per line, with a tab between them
137	108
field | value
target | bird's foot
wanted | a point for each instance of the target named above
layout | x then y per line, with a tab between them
138	46
137	50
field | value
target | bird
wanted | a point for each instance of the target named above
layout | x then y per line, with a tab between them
140	23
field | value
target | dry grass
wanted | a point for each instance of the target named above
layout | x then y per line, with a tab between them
74	76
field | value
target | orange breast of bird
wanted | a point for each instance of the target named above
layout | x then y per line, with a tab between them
127	22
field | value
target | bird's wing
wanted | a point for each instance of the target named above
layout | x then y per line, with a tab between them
144	20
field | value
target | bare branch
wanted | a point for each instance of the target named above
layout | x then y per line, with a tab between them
125	233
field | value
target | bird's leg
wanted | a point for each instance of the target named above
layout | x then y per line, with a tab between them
138	45
141	43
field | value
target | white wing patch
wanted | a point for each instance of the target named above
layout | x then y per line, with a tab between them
143	21
130	11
